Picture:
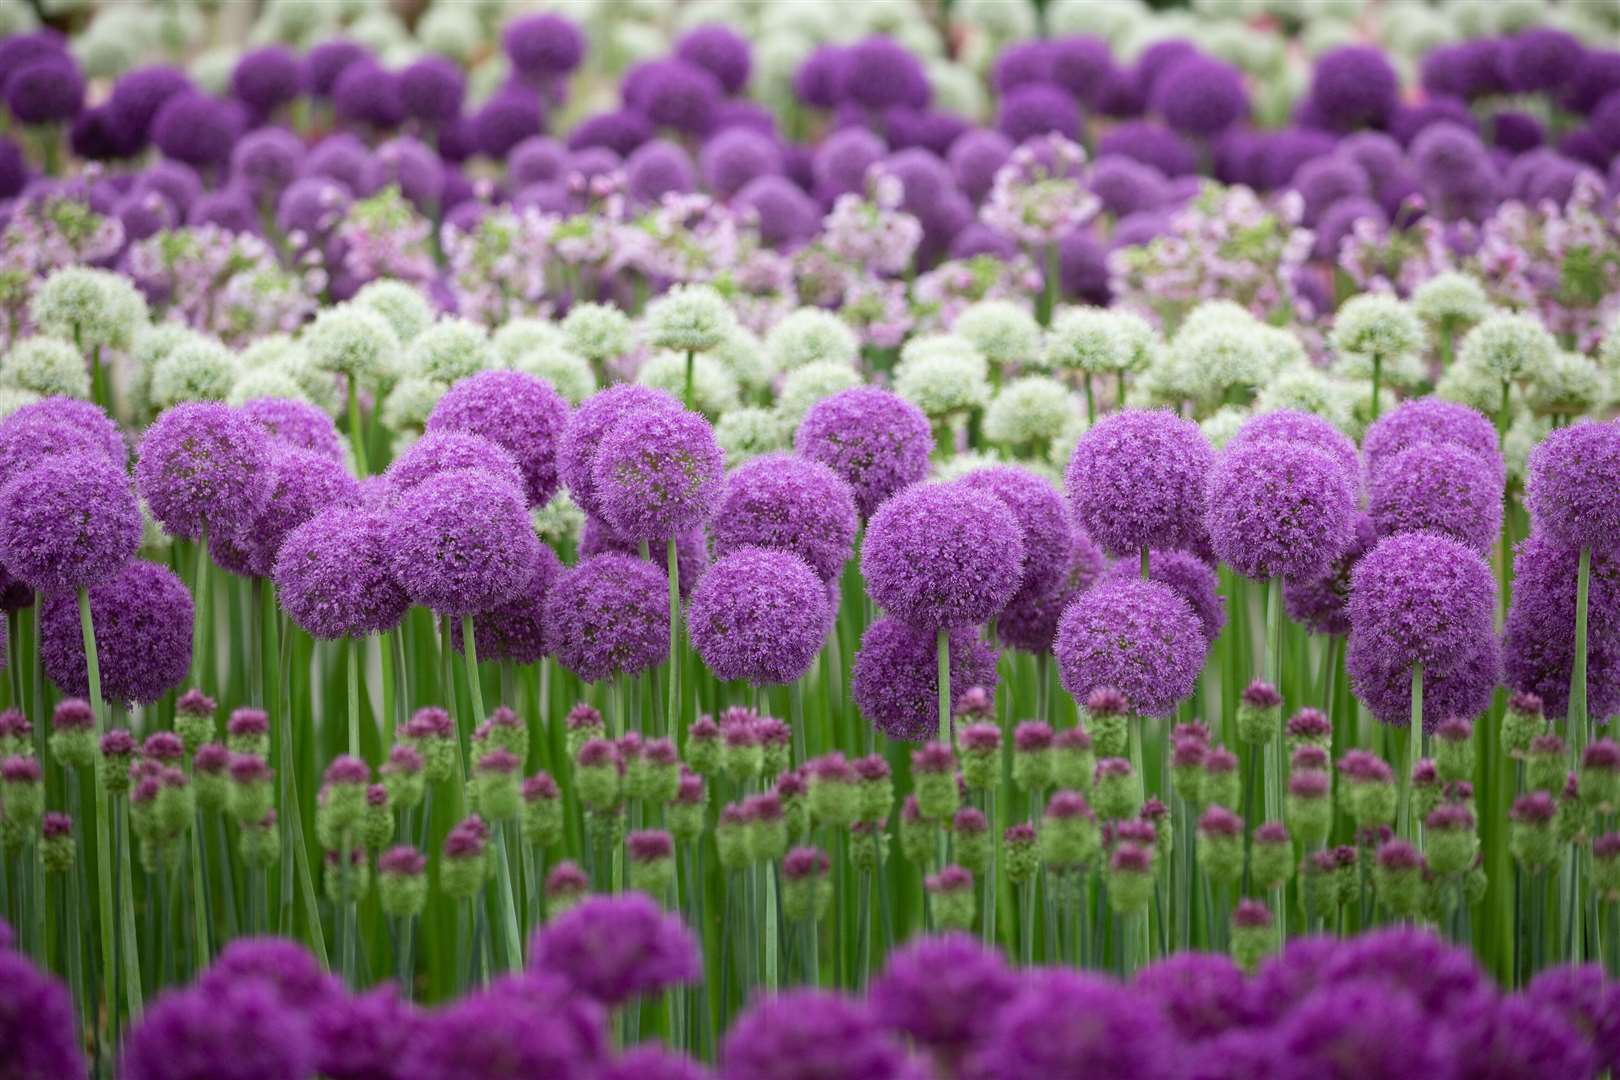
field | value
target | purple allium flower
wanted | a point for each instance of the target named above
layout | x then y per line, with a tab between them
284	965
362	1037
1125	187
196	129
1202	995
332	575
265	161
515	631
785	216
842	160
1354	86
691	549
1386	689
1150	144
1138	637
788	502
342	157
1418	598
142	620
1030	619
461	542
734	156
588	426
819	80
68	523
658	474
266	78
1455	171
878	72
36	1019
367	94
1193	579
516	411
1440	488
1037	109
942	992
138	95
312	206
1199	96
650	1061
975	157
1042	519
529	1025
875	439
809	1033
1278	508
609	616
1539	639
204	466
1517	1035
894	678
505	120
1572	486
431	91
447	451
718	50
542	46
655	169
85	418
237	1030
1361	1027
1137	481
1429	420
759	614
620	131
674	94
536	160
1067	1023
615	948
1443	979
298	424
302	484
1587	1001
943	555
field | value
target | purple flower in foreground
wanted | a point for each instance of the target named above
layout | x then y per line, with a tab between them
942	992
1201	994
1418	598
788	502
36	1020
1193	579
519	412
362	1037
68	523
596	417
1359	1028
1067	1023
1043	520
658	473
303	483
875	439
461	542
1573	487
1586	999
142	620
1440	488
83	417
518	1027
943	555
1137	481
760	615
809	1035
1429	420
296	423
650	1061
609	616
614	948
1539	638
241	1030
332	575
1138	637
1279	508
204	466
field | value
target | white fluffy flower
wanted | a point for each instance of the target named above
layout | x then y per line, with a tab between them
1029	413
1379	328
196	371
714	389
406	309
1005	333
408	404
1307	389
803	388
743	354
1509	346
352	341
749	432
517	336
689	318
1221	425
598	332
943	383
45	366
807	335
91	308
448	351
264	382
1451	301
567	372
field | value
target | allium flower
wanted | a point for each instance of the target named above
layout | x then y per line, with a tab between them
296	423
142	620
1582	995
1519	1035
1463	690
1445	980
1193	579
936	991
46	366
615	948
894	678
1042	520
1509	346
609	616
1290	425
809	1033
94	309
446	451
1067	1023
1138	637
1202	995
808	335
1362	1027
516	411
1030	620
1137	481
332	575
1279	508
68	523
81	417
588	426
241	1030
658	474
1029	414
460	542
761	615
1417	598
204	466
1573	476
692	318
36	1020
353	341
943	555
691	549
874	439
1438	488
1321	601
650	1061
302	484
361	1037
530	1025
598	332
1539	637
788	502
1354	86
1428	420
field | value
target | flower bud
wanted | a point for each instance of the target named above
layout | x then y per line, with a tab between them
806	887
1426	790
792	792
503	730
1271	859
1545	764
73	734
465	859
250	796
1221	784
402	882
952	898
688	811
347	879
1220	845
703	746
1187	768
1309	805
1398	877
117	750
1600	776
259	841
971	834
542	823
22	795
582	724
433	734
341	802
598	774
1522	723
981	755
1259	713
56	848
654	774
1022	858
496	788
1530	831
875	788
741	756
1368	788
1130	878
766	836
731	837
404	777
1254	934
1449	839
834	791
1156	814
651	861
1032	757
377	826
1069	835
1114	789
868	845
1606	866
566	885
248	732
1308	727
194	719
16	734
1072	759
1454	749
1106	715
775	744
933	772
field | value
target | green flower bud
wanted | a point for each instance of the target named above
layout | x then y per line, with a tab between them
1600	776
741	756
775	745
402	882
1449	839
22	797
259	842
464	863
952	898
980	746
1259	713
251	795
1308	727
1032	757
654	775
503	730
1426	790
1367	788
404	777
1573	816
17	735
1187	768
432	734
652	862
766	831
1606	866
1220	845
1271	859
346	885
1221	785
565	887
1069	835
1073	762
703	746
56	848
918	834
1521	724
194	720
377	826
582	724
806	887
496	787
598	775
341	802
834	791
1254	934
1398	878
1546	764
1130	879
1308	805
875	788
1454	749
971	835
933	771
1114	789
1019	849
542	824
731	837
175	807
868	845
73	734
687	814
210	773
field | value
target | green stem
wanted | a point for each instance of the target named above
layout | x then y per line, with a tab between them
1403	777
469	646
109	964
773	943
199	901
357	436
942	647
672	714
352	677
507	901
686	385
200	639
1145	562
1377	385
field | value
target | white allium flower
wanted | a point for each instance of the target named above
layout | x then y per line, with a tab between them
958	88
264	382
943	384
1468	383
1221	425
211	69
1061	452
16	17
1509	346
1407	370
354	341
560	521
45	366
13	398
91	308
567	372
1087	339
1212	312
743	354
1377	327
1320	35
1568	384
448	351
926	346
1283	347
997	18
104	53
450	29
598	332
407	310
149	345
807	335
196	371
689	318
1221	355
749	432
714	389
294	22
1028	413
1608	353
269	351
1451	301
379	30
517	336
1004	332
1308	389
803	388
408	404
1113	20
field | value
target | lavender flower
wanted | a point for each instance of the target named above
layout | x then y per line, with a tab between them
788	502
1418	598
613	949
894	678
461	542
1569	491
1042	519
515	631
876	440
516	411
68	523
296	423
760	615
609	616
809	1033
1279	508
333	577
143	619
302	484
1439	488
1138	637
1137	481
1539	636
203	466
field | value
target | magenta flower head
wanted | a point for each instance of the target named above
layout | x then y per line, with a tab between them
1418	598
1293	426
788	502
527	1025
461	542
1279	509
658	473
1520	1036
204	466
1321	601
542	46
650	1061
442	451
1429	420
615	948
691	549
361	1037
1199	96
1030	619
36	1019
296	423
1440	488
1354	86
515	631
333	578
516	411
943	555
609	616
806	1033
239	1029
1068	1023
1363	1027
1137	481
81	418
1539	638
1138	637
1201	994
875	439
47	91
1585	999
1193	579
1464	690
760	615
942	992
302	484
598	416
1445	980
68	523
895	676
1573	487
1042	518
143	620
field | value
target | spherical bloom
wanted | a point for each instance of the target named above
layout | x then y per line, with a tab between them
36	1020
1291	425
431	91
879	72
515	631
1354	86
142	620
609	616
691	549
1201	994
47	91
1521	1036
656	169
1455	172
1428	420
266	78
735	156
1279	508
1585	999
935	990
92	308
362	1037
47	367
809	1033
532	1025
615	948
807	336
1150	144
1137	480
1363	1027
760	615
657	475
1510	346
723	53
302	484
791	503
296	423
1193	579
943	555
1321	601
332	575
895	676
1438	488
692	318
443	451
1418	598
1029	413
1030	620
876	440
353	341
239	1030
516	411
1376	326
1463	690
196	129
674	94
588	426
138	95
1572	482
1042	519
1067	1023
68	523
1037	109
1199	96
460	542
204	466
79	418
200	370
1137	637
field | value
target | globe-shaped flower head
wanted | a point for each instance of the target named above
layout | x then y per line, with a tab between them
1573	489
1441	488
658	473
1291	425
1066	1023
874	439
1138	637
302	484
895	677
518	1026
296	423
461	542
516	630
204	466
1042	518
143	620
1136	480
332	575
820	1033
443	451
934	990
1419	598
239	1029
788	502
609	616
82	417
692	318
1430	420
759	615
597	416
513	410
615	948
1279	509
940	555
68	523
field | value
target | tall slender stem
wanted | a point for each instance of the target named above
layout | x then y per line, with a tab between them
1377	385
1403	778
357	436
686	385
109	960
672	716
200	629
352	674
942	647
1577	675
475	690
